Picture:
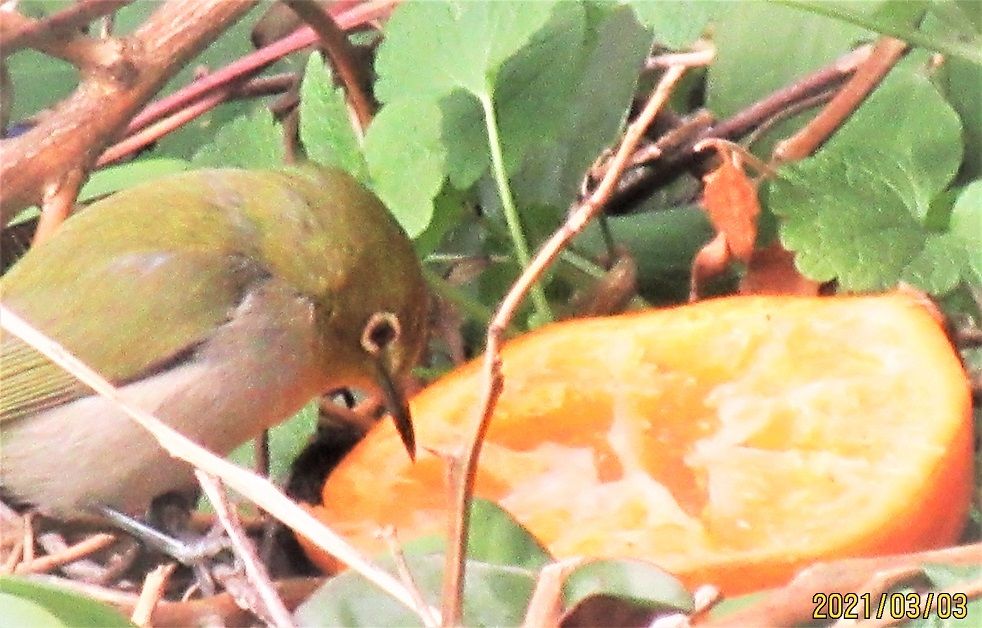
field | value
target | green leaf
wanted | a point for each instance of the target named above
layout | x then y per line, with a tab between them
286	441
907	116
406	159
895	19
634	581
448	207
966	227
553	170
526	55
748	67
493	596
531	99
963	88
325	126
432	48
38	81
494	537
944	576
249	141
675	23
854	216
958	608
27	603
114	178
21	611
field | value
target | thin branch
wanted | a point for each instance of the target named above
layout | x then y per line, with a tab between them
245	482
341	53
692	59
151	593
391	539
262	86
828	77
492	379
645	176
19	32
273	611
253	62
545	606
885	55
72	553
76	131
150	134
57	202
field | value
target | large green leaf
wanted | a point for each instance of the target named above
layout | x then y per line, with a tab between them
907	116
406	160
27	603
633	581
857	216
249	141
494	595
325	126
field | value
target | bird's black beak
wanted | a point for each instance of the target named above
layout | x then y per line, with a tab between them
398	407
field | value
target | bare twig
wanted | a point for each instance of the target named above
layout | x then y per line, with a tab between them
885	55
828	77
272	611
18	32
151	593
16	552
81	549
492	379
674	156
391	539
342	56
75	132
792	110
260	491
28	538
150	134
57	202
252	63
692	59
546	604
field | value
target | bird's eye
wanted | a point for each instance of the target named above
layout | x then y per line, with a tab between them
381	330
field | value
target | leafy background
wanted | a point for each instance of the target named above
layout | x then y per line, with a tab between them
503	106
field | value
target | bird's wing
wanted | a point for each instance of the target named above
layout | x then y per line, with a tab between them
154	307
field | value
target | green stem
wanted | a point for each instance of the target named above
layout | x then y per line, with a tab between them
574	266
542	310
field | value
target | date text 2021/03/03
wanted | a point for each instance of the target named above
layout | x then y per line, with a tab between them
896	606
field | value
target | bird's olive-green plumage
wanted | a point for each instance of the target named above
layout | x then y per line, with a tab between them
261	282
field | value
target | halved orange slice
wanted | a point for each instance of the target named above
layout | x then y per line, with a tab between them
730	442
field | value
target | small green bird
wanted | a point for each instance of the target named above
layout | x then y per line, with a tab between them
221	301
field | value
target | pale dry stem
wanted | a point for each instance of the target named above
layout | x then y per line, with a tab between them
245	482
491	370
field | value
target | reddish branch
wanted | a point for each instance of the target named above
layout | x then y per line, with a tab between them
63	147
885	55
342	56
